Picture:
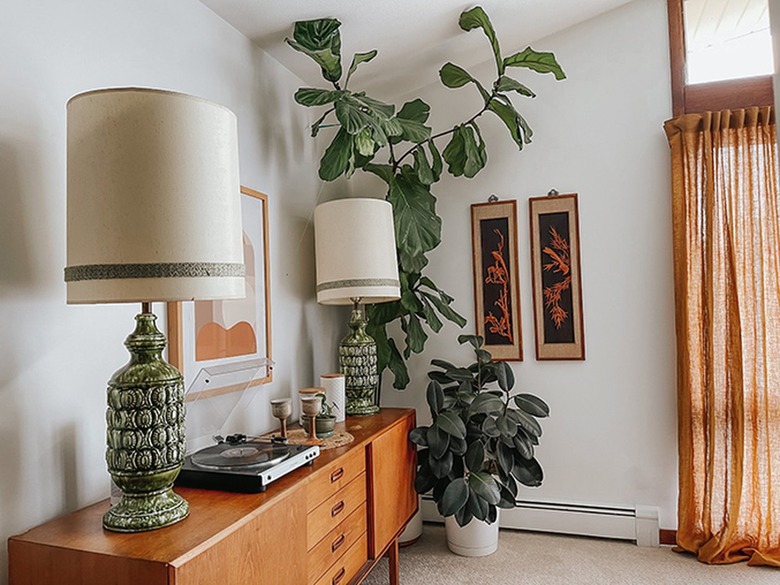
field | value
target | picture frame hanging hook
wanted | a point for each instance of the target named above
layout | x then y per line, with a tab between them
552	193
493	198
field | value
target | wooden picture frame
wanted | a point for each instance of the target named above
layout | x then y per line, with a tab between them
555	272
234	333
496	278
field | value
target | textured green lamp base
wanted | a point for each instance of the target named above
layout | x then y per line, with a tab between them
149	511
357	360
145	434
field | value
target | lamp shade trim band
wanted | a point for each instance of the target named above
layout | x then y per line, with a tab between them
357	282
154	270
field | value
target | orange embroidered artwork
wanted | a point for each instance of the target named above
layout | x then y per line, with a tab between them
496	290
227	328
559	263
499	275
556	282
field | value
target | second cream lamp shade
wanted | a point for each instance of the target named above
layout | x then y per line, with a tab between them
153	205
355	252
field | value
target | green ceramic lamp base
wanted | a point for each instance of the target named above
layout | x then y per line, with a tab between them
145	439
142	512
357	360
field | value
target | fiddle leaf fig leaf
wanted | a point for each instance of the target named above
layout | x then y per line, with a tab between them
417	227
365	143
423	168
311	96
454	76
437	164
320	40
336	160
508	84
455	154
475	341
477	18
415	335
537	61
475	152
315	128
415	111
430	316
397	365
357	59
515	123
455	497
384	172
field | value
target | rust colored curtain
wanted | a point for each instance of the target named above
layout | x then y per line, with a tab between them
727	301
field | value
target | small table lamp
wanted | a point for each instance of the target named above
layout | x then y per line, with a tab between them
356	263
153	215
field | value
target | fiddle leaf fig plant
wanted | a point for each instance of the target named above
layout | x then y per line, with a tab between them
480	443
400	148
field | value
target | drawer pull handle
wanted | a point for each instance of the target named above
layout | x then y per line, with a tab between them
337	543
336	510
337	475
339	576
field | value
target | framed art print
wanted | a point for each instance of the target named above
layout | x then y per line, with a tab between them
232	333
496	275
555	272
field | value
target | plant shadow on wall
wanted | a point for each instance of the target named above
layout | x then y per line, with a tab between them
481	438
365	127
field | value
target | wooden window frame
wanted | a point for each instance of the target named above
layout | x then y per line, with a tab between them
717	95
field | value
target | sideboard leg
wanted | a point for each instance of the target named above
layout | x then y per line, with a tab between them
392	558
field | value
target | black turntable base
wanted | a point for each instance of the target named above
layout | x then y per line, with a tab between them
243	466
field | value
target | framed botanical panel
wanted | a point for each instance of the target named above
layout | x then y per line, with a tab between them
496	288
555	272
232	334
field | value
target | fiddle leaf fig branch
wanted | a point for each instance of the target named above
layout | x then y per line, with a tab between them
401	149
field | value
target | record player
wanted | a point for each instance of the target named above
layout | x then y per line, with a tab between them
237	463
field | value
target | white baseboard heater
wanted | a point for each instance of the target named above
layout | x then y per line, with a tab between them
636	523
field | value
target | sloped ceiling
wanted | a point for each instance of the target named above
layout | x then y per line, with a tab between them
414	37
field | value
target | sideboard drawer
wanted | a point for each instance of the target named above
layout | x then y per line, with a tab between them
342	572
337	542
334	510
333	478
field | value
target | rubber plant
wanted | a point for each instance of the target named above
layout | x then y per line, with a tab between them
480	443
399	148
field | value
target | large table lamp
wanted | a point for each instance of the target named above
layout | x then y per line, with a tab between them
153	214
356	264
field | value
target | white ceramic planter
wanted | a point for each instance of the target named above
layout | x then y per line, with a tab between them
475	539
413	530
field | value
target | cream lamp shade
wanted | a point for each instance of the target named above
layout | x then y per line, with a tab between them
355	252
153	209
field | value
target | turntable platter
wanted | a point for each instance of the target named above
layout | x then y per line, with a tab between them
228	457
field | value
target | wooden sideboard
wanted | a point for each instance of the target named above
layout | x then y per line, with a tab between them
327	524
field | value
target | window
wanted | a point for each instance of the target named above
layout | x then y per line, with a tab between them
721	54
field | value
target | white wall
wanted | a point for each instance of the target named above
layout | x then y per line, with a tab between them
56	359
611	438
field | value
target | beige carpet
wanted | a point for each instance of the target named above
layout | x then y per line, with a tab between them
525	558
